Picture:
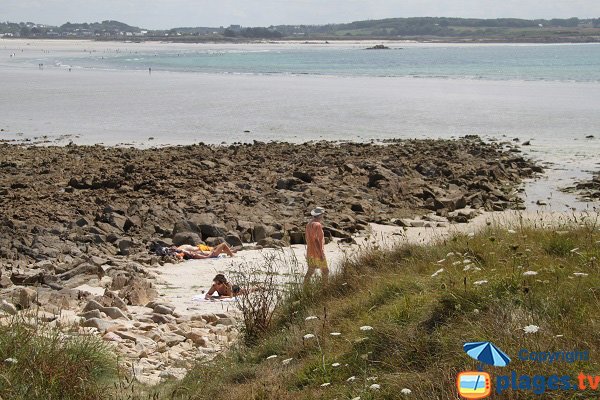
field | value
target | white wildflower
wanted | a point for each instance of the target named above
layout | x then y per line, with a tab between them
457	263
372	378
436	273
326	384
309	336
479	283
531	329
476	268
529	273
351	379
335	333
476	311
335	365
467	261
511	231
311	318
406	391
574	250
449	254
366	328
580	274
272	357
467	267
441	261
375	386
287	361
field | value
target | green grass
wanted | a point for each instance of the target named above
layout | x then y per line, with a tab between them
39	362
420	322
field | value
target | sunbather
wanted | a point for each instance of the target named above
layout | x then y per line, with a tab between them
223	288
194	253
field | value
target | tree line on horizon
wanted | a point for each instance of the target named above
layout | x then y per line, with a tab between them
390	27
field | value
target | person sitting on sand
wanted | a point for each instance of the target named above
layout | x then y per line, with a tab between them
194	253
223	288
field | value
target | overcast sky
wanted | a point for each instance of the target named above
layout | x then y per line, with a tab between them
156	14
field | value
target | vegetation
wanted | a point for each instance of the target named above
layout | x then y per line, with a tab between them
492	286
390	325
39	362
453	29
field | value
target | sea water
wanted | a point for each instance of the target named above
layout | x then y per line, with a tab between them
152	94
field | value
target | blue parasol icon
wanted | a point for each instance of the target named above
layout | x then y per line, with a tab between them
487	353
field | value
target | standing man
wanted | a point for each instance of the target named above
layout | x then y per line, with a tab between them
315	246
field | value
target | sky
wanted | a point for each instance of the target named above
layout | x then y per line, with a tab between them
162	14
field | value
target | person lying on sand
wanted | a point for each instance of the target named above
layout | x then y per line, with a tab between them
223	288
194	253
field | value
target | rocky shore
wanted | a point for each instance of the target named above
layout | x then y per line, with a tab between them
77	222
588	189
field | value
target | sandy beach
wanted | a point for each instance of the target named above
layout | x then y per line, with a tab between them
178	284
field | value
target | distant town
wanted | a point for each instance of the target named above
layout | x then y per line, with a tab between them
421	28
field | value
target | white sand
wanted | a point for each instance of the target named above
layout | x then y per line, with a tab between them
179	283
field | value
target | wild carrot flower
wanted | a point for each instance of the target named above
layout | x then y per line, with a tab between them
375	386
531	329
406	391
309	336
479	283
529	273
366	328
335	365
311	318
436	273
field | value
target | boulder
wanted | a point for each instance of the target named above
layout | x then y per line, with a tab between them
100	324
91	314
190	238
24	297
233	240
7	307
138	292
162	309
303	176
297	237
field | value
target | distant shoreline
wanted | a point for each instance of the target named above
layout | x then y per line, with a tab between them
327	40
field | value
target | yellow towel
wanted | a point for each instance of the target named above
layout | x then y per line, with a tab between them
204	247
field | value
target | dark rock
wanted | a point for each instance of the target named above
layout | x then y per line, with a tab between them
214	241
303	176
190	238
233	240
297	237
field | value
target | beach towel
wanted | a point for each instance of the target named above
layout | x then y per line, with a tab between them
200	298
